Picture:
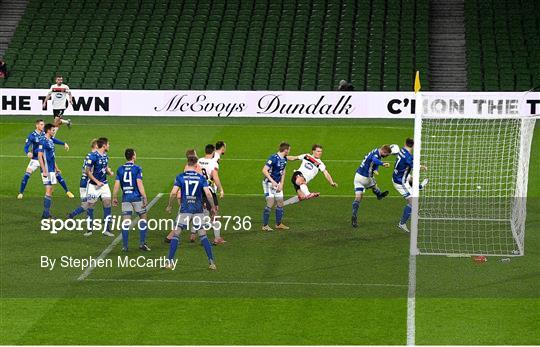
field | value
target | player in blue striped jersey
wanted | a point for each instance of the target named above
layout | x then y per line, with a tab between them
274	176
129	179
364	178
192	186
402	179
31	150
83	183
47	162
97	169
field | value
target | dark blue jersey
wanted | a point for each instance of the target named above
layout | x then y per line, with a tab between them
127	175
98	164
191	185
46	146
371	163
403	166
84	177
276	166
33	140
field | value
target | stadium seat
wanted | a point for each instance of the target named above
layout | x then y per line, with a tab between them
217	44
502	45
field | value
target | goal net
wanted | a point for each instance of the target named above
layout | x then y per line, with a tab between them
477	166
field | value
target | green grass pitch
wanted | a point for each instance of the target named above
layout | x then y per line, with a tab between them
321	282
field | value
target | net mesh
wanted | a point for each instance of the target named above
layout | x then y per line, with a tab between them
474	203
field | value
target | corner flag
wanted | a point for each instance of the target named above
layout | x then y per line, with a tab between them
417	85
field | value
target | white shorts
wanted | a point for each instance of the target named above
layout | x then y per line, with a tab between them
33	165
93	192
129	207
50	179
403	189
270	192
194	221
82	194
361	183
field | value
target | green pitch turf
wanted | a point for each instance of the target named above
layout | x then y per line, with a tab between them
321	282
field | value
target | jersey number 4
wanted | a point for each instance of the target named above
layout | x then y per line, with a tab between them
128	179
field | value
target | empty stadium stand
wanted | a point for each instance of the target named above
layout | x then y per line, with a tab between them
221	44
503	44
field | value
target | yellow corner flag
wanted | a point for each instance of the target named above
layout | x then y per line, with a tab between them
417	85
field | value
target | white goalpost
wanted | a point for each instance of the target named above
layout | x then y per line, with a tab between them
477	167
475	203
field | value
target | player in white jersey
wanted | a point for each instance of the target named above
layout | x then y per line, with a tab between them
221	148
60	95
209	168
309	168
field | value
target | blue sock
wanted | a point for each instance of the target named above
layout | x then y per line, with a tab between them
142	231
266	215
406	214
62	182
107	213
24	181
355	207
90	216
174	244
207	247
279	215
76	212
125	237
377	191
47	202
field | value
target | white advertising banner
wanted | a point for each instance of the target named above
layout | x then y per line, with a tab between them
293	104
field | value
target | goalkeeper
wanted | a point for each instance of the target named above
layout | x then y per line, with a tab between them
402	180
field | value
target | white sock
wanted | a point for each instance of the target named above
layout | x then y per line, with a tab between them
217	232
304	189
64	121
291	201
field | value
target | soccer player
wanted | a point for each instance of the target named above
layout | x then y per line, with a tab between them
189	152
33	141
363	179
83	184
209	167
274	176
401	178
221	148
129	179
47	163
61	95
97	168
309	168
192	185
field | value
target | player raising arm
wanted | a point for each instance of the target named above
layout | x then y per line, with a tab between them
60	95
31	150
309	168
129	179
363	179
190	215
401	178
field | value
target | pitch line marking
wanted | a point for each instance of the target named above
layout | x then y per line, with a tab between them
252	282
109	248
180	159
